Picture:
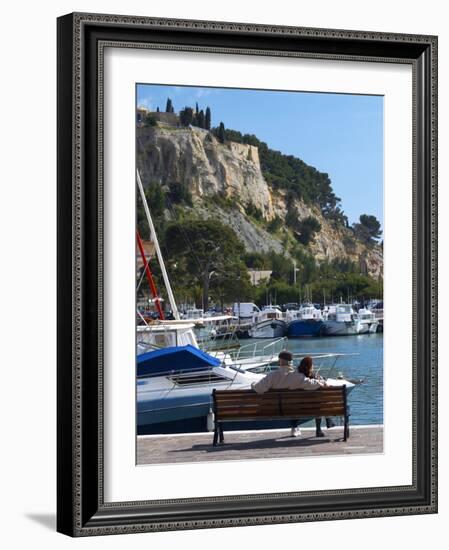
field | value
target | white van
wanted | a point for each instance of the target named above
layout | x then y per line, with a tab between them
244	310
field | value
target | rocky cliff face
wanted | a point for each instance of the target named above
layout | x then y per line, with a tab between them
232	172
195	157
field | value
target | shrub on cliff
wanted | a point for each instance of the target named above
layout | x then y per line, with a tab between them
368	230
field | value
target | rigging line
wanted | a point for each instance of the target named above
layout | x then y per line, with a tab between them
143	318
141	279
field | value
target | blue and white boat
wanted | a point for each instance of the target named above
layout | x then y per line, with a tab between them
174	388
306	321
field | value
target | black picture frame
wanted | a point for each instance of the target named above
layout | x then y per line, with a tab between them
81	509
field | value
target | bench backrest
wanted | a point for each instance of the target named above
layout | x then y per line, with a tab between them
239	404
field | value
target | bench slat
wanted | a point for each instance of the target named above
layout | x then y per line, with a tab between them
258	399
267	398
291	413
293	400
246	393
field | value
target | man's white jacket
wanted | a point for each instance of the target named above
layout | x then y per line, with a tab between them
286	377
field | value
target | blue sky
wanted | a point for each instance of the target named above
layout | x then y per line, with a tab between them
339	134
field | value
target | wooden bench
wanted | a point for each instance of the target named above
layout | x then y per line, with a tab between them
247	405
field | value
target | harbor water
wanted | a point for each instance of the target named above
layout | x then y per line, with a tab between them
366	399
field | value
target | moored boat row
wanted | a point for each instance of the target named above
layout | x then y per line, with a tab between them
306	320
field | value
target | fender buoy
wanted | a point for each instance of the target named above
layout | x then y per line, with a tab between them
210	420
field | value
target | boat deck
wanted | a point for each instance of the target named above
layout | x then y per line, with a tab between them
263	444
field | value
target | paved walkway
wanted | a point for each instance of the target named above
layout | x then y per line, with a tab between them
257	444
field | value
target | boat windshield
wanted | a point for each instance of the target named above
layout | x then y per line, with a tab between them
164	336
344	309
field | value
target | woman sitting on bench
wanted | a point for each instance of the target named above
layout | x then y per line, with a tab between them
306	368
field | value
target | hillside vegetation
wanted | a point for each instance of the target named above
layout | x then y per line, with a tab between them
224	202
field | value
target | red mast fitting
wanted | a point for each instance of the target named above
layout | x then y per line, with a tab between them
150	279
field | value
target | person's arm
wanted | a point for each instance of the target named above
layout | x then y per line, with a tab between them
304	383
313	384
263	385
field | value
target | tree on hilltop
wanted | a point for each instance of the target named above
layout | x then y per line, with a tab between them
221	134
186	116
201	119
169	107
368	230
208	119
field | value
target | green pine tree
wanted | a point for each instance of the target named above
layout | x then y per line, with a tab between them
201	119
221	133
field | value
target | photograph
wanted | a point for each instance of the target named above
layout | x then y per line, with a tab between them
238	204
259	274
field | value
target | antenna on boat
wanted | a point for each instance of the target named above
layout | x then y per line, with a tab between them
171	298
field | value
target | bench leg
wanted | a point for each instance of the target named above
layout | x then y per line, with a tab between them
221	435
215	436
346	428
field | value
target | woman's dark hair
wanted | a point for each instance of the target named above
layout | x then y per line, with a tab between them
306	365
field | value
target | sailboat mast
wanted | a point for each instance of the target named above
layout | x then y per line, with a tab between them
171	298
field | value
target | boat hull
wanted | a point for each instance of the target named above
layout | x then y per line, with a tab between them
373	327
172	411
304	327
339	328
271	328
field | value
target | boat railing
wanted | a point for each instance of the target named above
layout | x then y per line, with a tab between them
261	349
219	342
325	363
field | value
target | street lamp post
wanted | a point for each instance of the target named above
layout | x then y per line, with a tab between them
295	270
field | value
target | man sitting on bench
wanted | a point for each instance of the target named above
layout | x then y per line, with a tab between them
287	377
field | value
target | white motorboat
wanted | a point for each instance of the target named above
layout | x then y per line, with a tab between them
367	321
341	320
268	323
193	313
